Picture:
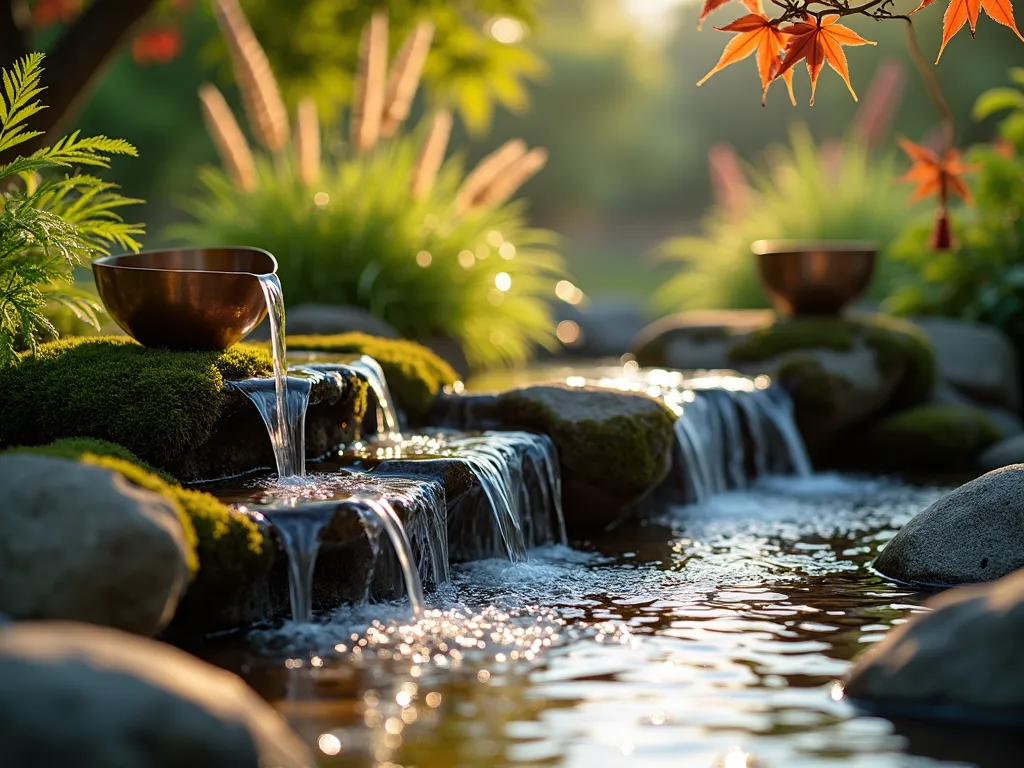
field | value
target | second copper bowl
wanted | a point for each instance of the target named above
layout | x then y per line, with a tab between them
201	298
814	278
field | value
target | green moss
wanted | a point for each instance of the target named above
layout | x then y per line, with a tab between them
74	447
932	438
223	544
155	402
414	373
625	452
812	388
838	334
901	349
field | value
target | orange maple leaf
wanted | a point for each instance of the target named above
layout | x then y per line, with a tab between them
819	41
754	6
755	32
960	12
935	174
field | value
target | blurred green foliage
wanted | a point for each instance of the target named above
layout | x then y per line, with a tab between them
627	128
805	192
358	237
313	48
983	278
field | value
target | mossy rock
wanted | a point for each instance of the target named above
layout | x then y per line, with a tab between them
841	372
225	544
928	438
614	447
157	403
899	347
415	374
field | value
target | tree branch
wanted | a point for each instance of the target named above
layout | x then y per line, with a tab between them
931	85
78	58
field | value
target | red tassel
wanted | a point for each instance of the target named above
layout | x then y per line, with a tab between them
942	236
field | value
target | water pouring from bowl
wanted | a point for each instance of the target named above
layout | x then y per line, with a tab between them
206	299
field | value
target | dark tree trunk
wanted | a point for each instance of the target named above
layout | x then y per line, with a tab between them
75	61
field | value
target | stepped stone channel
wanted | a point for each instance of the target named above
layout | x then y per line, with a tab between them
493	482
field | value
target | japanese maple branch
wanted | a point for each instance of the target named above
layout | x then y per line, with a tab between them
931	84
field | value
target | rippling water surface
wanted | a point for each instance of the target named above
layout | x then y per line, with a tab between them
711	637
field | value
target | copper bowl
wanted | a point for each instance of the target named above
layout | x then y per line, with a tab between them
814	278
203	298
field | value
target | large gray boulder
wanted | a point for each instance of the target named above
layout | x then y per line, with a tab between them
960	660
81	543
89	697
970	535
977	359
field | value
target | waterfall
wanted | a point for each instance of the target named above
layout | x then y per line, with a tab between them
387	417
298	513
289	443
380	512
508	466
730	428
298	529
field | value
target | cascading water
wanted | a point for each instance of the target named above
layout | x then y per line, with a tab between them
299	530
387	416
298	513
717	413
507	466
380	512
289	443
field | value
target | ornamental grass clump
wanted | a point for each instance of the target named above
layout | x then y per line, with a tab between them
388	224
50	222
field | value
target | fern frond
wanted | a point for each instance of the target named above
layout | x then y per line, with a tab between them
21	86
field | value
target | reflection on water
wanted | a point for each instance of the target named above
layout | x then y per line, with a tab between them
710	637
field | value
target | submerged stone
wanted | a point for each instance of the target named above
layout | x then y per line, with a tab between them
82	543
928	438
960	661
970	535
76	695
615	447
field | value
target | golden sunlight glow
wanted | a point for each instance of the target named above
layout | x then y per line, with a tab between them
735	758
466	259
506	30
503	281
507	251
321	199
329	744
423	258
568	292
568	332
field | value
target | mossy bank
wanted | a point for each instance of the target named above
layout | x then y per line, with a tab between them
174	411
